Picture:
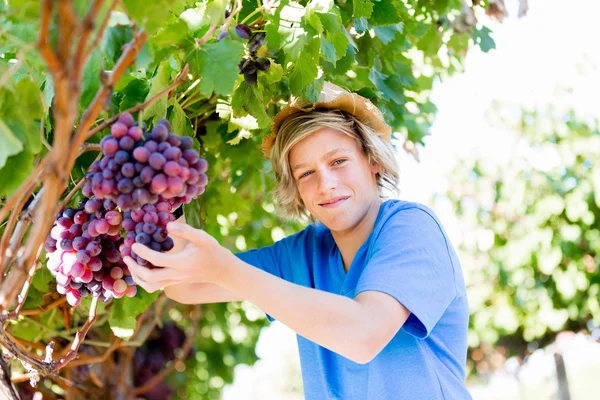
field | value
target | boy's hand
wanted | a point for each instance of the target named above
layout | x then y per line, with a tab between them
202	259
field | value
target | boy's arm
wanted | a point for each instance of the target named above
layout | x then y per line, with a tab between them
355	328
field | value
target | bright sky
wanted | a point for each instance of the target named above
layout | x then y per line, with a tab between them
555	44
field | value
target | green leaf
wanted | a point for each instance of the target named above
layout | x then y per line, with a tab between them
385	12
343	64
158	109
387	33
362	8
125	311
151	15
305	70
274	73
216	12
114	40
43	280
15	171
328	51
483	39
91	79
216	64
249	98
134	93
335	33
390	86
192	212
9	144
178	119
171	34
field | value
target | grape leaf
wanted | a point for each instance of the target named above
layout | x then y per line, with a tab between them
305	70
483	39
91	78
125	311
362	8
249	98
9	144
158	109
16	169
385	12
216	63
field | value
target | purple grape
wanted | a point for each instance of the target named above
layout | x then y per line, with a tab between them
82	256
125	186
124	201
151	146
102	226
157	161
149	228
118	130
172	168
160	133
127	143
147	174
93	248
191	156
159	183
126	119
77	269
175	184
222	35
128	170
110	146
141	154
136	133
143	238
243	31
66	244
121	157
95	264
167	244
186	143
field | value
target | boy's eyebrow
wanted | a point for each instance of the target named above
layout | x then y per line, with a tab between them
326	155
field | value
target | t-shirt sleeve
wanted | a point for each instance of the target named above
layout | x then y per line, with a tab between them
411	262
277	258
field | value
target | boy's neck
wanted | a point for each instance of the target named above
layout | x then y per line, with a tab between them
349	241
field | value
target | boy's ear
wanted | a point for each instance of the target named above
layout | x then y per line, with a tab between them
374	167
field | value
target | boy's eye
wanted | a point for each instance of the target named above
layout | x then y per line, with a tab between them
340	161
304	174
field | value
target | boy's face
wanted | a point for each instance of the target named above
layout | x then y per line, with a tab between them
336	183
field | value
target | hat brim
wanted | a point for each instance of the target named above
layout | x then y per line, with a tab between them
334	98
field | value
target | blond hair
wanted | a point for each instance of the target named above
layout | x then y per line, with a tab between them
299	126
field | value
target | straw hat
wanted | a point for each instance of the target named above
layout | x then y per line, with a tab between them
332	96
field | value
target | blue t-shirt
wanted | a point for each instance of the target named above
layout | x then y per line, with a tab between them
408	256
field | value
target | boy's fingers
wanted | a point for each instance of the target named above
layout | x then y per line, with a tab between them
184	231
155	257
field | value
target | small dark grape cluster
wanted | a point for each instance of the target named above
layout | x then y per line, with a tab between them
83	253
250	65
147	226
153	355
139	168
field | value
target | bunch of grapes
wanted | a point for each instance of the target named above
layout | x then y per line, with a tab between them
83	253
147	226
250	65
152	357
139	169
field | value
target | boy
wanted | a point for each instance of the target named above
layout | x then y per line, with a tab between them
374	289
